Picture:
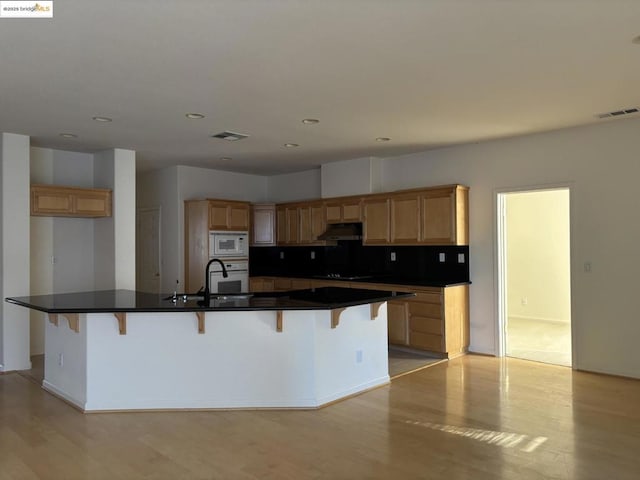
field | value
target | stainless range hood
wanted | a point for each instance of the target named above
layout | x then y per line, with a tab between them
342	231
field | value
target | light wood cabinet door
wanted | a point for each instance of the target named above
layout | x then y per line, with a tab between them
196	241
352	211
376	221
238	217
229	215
312	223
57	201
287	225
293	233
405	218
217	215
263	225
343	210
333	212
444	218
304	216
281	225
397	321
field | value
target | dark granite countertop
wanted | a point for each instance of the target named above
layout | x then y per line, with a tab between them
382	279
325	298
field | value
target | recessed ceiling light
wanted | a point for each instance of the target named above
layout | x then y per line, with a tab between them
291	145
69	135
195	116
310	121
103	119
382	139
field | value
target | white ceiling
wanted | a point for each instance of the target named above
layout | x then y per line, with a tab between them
426	73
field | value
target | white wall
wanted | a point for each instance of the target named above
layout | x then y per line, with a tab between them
600	162
538	255
170	187
292	187
159	188
351	177
115	236
15	211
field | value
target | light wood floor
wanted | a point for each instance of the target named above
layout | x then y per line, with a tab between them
471	418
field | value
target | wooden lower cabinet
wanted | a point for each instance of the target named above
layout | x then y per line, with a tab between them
436	320
439	320
261	284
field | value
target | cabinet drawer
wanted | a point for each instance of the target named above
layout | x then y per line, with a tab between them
432	326
282	284
431	310
426	341
428	297
300	284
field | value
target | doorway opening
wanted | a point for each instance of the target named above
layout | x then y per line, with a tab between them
534	275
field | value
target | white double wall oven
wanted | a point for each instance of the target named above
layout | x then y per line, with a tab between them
232	248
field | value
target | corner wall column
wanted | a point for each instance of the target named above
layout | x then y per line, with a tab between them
14	246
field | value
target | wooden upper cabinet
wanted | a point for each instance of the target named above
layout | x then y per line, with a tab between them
263	225
444	216
426	216
376	220
56	201
405	218
229	215
287	225
312	222
300	223
344	210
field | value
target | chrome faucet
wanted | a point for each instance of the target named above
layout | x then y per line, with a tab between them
207	280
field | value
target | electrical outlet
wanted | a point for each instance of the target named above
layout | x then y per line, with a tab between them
358	356
61	359
442	257
587	267
461	258
524	301
281	255
313	255
393	256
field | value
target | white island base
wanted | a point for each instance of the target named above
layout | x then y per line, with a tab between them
241	360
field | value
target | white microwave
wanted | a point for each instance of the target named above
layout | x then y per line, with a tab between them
228	244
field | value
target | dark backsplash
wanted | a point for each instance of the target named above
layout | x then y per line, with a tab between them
352	258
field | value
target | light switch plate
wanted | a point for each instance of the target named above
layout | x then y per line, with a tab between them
441	257
393	256
313	255
461	258
281	255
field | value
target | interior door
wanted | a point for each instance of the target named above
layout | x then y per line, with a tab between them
148	267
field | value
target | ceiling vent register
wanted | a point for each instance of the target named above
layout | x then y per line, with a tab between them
230	136
618	113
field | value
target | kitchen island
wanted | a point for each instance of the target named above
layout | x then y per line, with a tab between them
123	350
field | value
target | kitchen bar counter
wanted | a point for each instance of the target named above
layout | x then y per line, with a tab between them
326	298
123	350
